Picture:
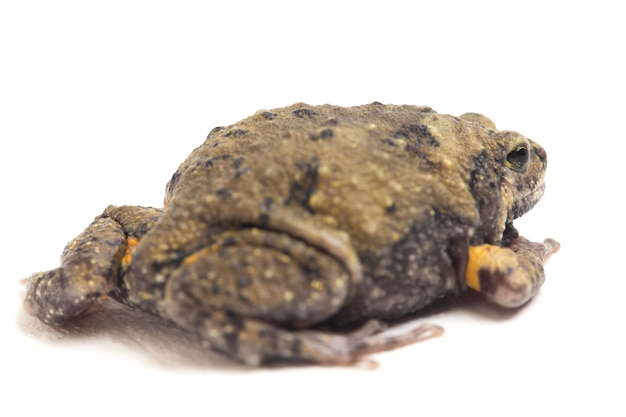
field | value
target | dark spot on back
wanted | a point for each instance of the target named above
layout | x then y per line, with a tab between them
214	131
236	132
392	208
423	134
240	172
401	133
224	193
418	138
209	162
237	162
324	134
243	282
304	113
268	115
301	190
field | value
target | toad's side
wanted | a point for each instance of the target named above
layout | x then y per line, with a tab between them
308	218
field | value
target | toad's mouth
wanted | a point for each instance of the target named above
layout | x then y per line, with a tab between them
527	202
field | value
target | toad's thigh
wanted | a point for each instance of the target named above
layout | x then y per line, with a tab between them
258	274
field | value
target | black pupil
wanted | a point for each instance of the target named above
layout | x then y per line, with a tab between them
519	157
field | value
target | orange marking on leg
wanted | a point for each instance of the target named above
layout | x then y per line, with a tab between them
131	245
474	262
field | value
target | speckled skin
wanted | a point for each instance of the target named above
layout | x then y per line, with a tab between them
284	227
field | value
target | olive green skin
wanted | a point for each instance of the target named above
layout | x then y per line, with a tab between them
306	217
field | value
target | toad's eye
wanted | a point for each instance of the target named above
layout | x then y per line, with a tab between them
518	158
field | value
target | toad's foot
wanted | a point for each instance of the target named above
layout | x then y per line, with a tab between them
351	349
509	276
370	339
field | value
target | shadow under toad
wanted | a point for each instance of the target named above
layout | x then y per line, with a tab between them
170	346
155	338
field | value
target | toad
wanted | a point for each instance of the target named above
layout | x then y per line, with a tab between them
298	233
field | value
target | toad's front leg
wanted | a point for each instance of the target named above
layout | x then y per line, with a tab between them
90	265
509	276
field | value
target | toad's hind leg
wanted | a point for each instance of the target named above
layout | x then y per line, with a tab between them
509	276
88	270
90	265
255	342
254	295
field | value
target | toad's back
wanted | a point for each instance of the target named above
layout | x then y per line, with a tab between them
369	170
392	179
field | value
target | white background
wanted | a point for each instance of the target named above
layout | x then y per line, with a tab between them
100	102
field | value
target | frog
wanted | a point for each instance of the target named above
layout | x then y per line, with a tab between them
302	234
